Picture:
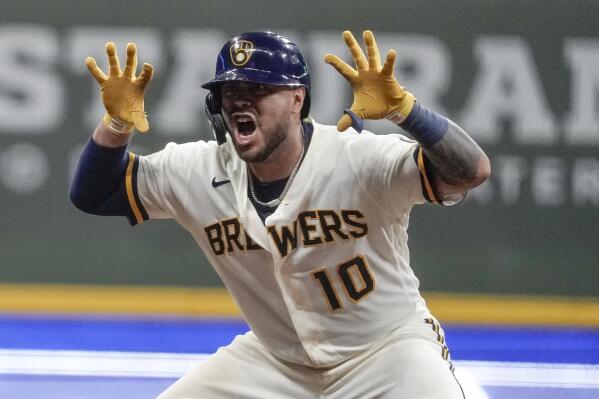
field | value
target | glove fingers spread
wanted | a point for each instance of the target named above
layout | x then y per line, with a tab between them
356	51
146	75
377	94
374	58
131	62
122	91
96	72
113	60
345	70
389	63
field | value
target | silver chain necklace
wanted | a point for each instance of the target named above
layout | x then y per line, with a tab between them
277	201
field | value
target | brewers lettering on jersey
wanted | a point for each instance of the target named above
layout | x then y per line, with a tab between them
305	223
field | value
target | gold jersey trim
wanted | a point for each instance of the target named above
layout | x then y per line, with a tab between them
129	187
427	184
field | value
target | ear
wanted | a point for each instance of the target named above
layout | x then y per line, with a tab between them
298	96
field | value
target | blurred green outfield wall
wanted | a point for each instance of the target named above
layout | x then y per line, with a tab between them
521	76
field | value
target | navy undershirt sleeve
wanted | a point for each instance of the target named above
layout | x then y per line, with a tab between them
426	126
98	186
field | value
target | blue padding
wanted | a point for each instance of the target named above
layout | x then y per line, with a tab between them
134	334
195	335
524	344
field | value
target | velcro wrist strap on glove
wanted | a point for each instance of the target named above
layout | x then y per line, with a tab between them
405	107
116	126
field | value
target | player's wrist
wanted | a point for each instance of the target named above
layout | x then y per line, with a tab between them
424	125
116	126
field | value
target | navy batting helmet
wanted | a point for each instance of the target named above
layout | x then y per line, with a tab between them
262	57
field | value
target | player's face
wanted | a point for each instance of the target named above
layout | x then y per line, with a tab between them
258	117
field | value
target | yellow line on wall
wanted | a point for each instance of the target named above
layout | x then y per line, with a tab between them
160	300
499	309
116	299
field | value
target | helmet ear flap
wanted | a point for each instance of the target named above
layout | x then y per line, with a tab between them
306	106
213	103
212	108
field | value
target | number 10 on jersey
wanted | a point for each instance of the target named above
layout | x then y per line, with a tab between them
355	277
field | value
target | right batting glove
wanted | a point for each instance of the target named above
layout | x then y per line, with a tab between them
122	91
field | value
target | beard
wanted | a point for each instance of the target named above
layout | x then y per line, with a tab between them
274	138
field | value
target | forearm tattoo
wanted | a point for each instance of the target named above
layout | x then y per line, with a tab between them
455	157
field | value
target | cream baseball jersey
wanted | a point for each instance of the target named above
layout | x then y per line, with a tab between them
328	273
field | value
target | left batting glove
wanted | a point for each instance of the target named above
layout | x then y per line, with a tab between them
377	94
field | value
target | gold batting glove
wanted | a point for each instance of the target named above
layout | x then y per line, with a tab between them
377	94
122	91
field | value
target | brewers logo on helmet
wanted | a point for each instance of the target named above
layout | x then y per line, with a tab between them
241	51
261	57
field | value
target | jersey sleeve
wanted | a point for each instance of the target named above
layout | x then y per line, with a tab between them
157	184
393	169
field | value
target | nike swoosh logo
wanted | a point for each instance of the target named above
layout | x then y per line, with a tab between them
219	183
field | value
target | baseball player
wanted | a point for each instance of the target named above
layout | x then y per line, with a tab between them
306	224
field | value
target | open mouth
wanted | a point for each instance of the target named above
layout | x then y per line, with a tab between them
246	127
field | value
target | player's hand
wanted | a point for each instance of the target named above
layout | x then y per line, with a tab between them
122	91
377	94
